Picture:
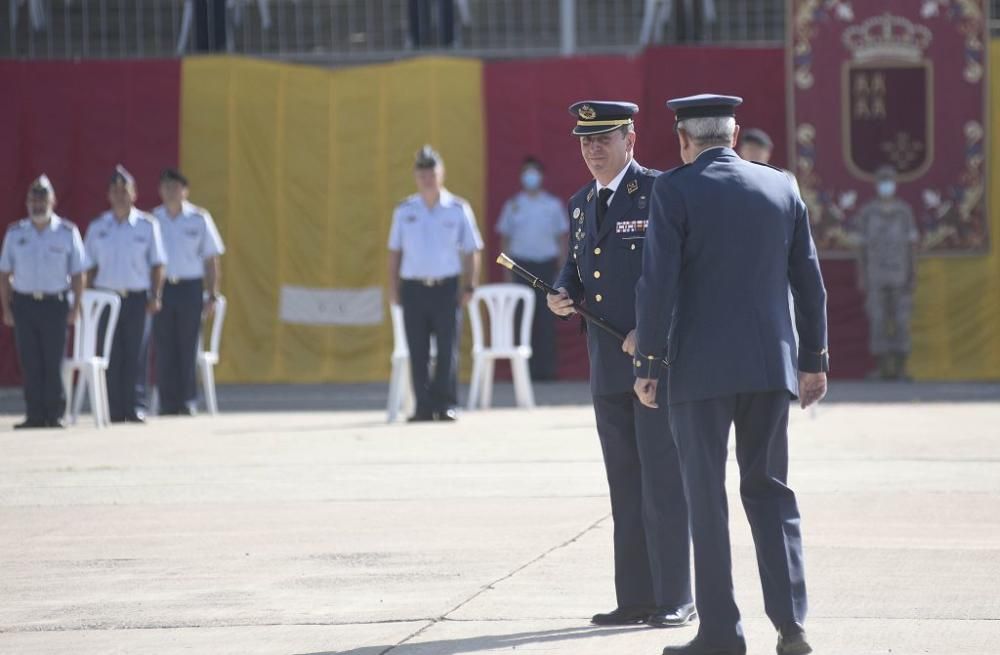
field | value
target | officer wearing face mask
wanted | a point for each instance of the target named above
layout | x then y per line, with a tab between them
887	266
533	227
41	259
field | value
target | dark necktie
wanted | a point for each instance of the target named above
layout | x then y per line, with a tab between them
602	204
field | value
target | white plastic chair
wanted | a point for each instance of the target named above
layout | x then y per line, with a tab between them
85	360
501	301
207	359
400	384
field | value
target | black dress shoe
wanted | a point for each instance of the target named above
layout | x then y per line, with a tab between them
622	616
698	647
420	418
792	640
447	415
55	423
27	425
672	617
135	417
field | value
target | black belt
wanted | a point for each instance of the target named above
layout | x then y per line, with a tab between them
61	296
174	280
127	293
430	281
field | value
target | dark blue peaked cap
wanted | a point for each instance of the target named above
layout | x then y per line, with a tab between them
600	116
704	105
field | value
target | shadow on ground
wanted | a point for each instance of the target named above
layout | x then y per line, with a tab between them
486	642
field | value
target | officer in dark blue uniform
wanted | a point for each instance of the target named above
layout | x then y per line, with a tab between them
607	231
125	256
727	241
41	258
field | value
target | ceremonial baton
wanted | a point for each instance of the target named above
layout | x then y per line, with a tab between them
538	283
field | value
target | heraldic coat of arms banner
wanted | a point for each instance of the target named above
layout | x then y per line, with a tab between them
898	83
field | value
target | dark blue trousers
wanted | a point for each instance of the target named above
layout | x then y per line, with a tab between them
176	330
432	310
123	365
544	359
701	431
40	334
651	542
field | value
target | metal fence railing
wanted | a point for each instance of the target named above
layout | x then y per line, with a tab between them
338	31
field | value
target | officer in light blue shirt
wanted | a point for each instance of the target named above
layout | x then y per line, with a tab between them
533	226
40	260
434	248
125	256
193	246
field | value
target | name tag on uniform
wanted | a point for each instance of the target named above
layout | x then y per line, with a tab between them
637	227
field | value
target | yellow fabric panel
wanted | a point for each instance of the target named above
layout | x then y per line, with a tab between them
301	168
956	323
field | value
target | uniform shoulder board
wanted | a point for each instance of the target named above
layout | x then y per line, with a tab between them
147	216
13	226
760	163
67	224
650	172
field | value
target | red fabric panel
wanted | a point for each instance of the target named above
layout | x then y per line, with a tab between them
74	121
526	114
526	105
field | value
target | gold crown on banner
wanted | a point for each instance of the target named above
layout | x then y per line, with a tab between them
887	37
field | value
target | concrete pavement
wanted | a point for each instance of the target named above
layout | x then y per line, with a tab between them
321	532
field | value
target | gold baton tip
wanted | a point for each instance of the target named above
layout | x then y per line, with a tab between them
505	261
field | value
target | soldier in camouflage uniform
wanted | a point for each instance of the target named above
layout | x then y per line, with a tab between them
887	265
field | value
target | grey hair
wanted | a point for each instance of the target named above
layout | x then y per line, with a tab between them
710	130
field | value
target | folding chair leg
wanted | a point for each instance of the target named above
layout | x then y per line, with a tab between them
523	393
487	400
81	387
104	402
96	404
475	382
208	382
395	392
67	382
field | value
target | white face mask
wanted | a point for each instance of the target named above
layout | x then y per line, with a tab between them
886	188
531	179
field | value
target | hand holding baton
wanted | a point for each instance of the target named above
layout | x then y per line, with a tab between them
538	283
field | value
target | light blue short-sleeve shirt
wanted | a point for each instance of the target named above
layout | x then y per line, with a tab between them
535	226
42	261
124	252
188	239
433	239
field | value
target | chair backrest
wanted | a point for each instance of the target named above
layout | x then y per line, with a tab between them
218	318
399	347
93	304
501	301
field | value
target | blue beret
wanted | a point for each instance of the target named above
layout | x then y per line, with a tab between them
704	105
600	116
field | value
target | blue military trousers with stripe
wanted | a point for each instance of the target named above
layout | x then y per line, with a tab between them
651	541
701	431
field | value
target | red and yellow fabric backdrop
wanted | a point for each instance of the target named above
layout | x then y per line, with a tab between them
302	166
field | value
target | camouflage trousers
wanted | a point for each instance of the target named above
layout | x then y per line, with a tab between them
889	311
